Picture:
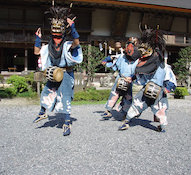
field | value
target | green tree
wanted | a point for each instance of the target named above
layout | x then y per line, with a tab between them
92	58
183	67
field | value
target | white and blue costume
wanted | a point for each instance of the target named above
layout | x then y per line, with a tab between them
59	53
58	95
124	68
162	77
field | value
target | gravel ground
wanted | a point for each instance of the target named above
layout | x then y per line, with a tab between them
94	146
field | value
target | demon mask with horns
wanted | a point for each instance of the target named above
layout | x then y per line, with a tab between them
59	17
152	44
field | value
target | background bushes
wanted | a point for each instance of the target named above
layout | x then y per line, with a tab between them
92	95
180	92
8	92
18	83
20	86
26	87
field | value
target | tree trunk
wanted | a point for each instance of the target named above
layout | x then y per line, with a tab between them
88	69
189	79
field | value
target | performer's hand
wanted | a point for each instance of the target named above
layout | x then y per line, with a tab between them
106	60
166	91
103	63
37	45
113	57
128	79
38	32
74	33
70	21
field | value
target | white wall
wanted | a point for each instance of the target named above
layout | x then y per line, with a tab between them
133	25
179	25
101	22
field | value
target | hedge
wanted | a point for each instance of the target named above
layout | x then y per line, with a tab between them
92	95
180	92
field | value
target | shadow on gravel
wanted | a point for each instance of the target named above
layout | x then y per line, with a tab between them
99	112
143	123
55	121
116	116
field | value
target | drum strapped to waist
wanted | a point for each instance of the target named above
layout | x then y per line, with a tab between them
152	90
55	74
122	84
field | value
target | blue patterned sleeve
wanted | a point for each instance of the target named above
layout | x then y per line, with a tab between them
128	68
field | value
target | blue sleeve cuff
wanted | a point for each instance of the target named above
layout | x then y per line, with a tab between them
38	41
169	86
74	51
74	33
107	59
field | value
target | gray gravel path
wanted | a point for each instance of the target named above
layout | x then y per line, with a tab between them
94	147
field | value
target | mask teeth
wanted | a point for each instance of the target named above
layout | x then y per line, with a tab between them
58	29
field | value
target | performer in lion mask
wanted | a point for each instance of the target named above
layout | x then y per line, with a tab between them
57	59
156	78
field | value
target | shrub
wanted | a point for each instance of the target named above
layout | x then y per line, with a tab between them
92	95
29	93
8	92
11	91
1	78
180	92
30	80
79	96
18	82
105	93
3	94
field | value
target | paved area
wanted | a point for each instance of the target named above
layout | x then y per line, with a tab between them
94	147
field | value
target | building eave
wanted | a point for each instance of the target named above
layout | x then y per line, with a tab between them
132	4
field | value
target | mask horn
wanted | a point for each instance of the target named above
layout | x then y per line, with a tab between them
53	3
140	29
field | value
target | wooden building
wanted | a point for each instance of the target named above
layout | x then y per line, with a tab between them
97	21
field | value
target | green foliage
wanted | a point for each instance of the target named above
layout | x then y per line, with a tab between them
92	95
1	78
18	82
180	92
21	87
29	93
11	91
182	65
88	102
30	80
8	92
92	58
3	94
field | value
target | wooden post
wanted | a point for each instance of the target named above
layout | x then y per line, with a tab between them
38	88
165	56
38	77
26	60
189	69
88	71
105	43
1	59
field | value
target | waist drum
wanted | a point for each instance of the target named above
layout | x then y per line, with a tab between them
122	85
152	90
54	73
